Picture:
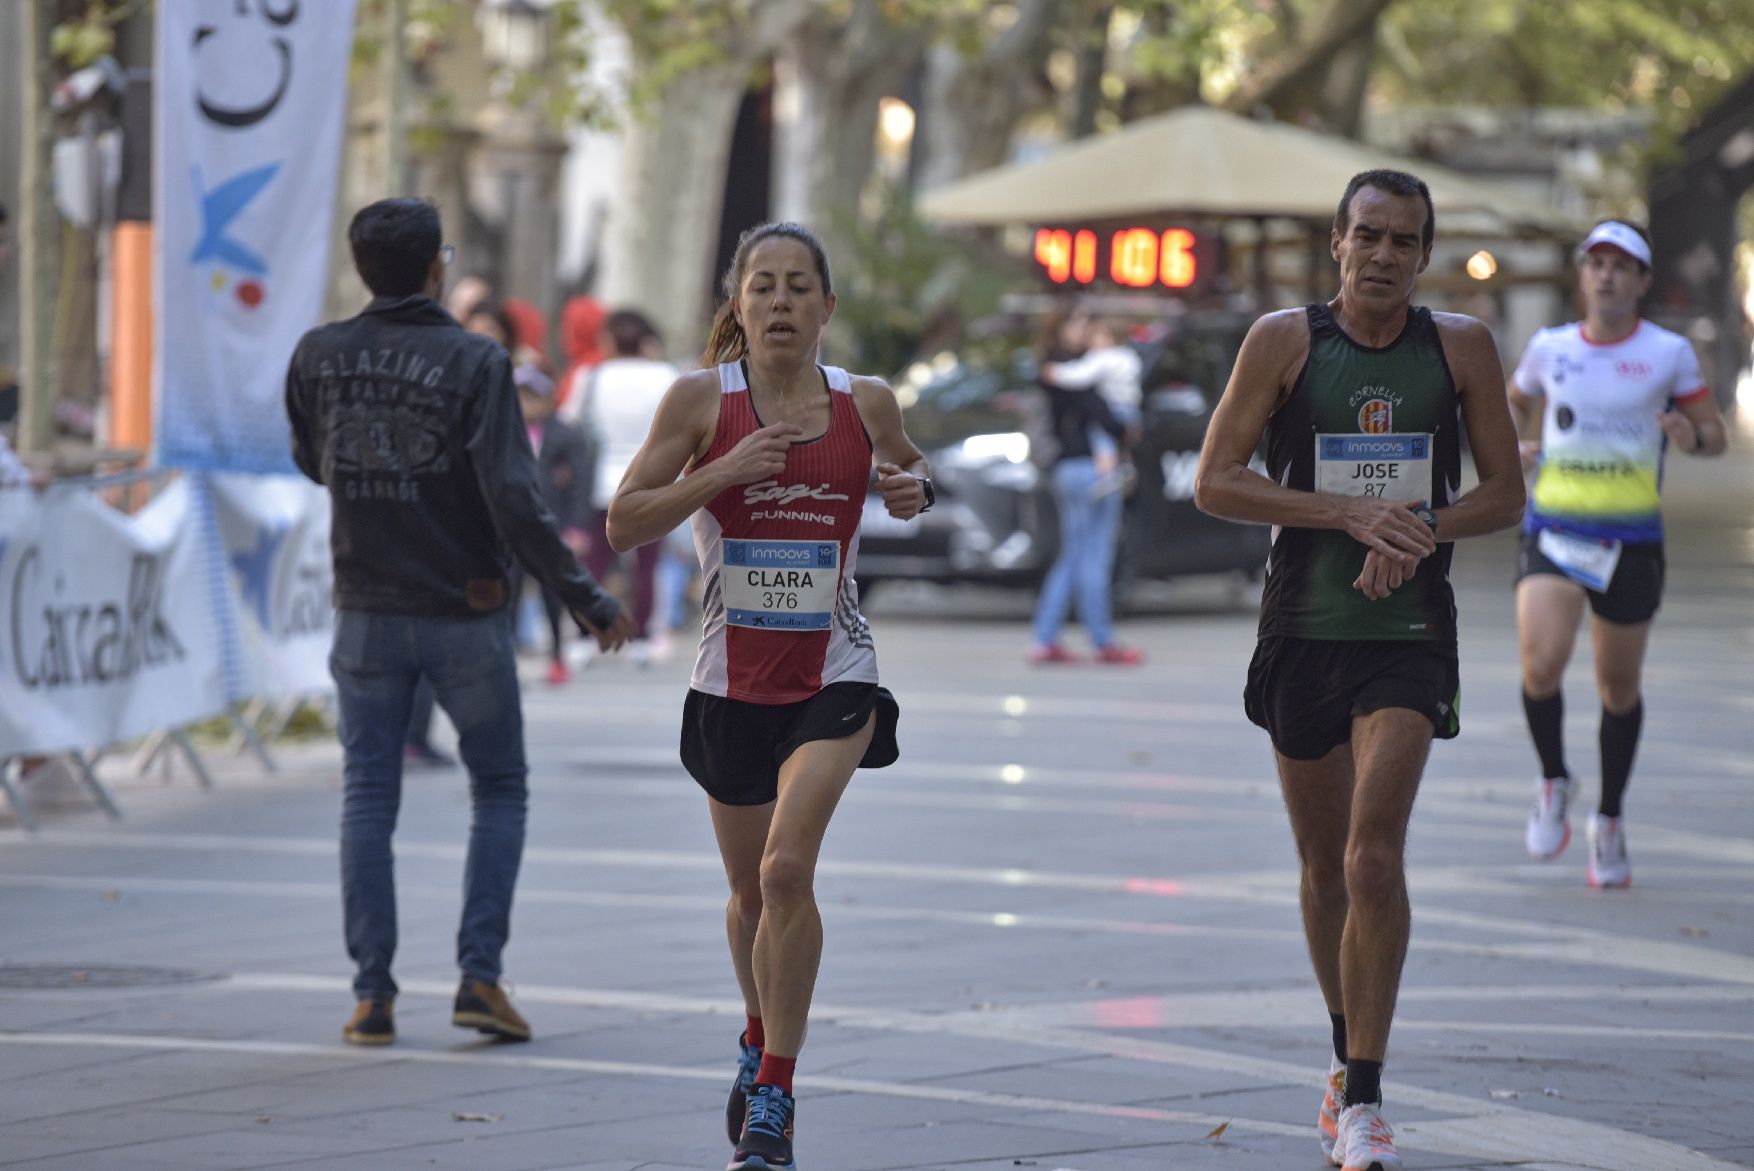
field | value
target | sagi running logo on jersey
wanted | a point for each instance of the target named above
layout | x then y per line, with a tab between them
1376	409
784	497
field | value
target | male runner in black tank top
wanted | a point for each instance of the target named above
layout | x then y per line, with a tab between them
1360	401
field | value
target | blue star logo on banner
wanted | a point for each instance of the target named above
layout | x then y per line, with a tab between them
222	205
256	568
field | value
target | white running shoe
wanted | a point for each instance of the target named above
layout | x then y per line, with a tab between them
1333	1101
1366	1143
1610	869
1549	830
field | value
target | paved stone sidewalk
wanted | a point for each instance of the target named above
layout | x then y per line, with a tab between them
1062	933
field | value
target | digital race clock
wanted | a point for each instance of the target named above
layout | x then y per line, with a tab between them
1132	256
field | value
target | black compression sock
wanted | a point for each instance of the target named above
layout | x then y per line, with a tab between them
1339	1036
1547	728
1363	1082
1618	738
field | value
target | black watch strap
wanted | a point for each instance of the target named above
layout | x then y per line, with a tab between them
931	496
1429	517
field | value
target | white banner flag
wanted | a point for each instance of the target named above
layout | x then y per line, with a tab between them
276	535
108	630
249	98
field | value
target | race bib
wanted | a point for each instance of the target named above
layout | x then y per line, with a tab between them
1390	467
780	585
1587	561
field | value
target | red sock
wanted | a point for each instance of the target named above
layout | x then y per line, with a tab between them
752	1034
776	1071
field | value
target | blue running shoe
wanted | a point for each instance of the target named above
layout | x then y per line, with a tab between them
766	1144
748	1065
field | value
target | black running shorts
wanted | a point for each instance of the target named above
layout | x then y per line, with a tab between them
1634	592
1306	691
734	749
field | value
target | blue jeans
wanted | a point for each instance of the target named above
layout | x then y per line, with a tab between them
1089	524
378	660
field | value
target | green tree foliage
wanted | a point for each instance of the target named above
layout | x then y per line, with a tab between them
904	287
1671	57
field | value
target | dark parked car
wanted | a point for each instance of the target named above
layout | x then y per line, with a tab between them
995	520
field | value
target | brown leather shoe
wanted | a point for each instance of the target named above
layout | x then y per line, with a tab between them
373	1023
483	1007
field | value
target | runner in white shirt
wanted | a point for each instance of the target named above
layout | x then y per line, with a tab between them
1612	393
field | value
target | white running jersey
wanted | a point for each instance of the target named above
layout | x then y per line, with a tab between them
1601	444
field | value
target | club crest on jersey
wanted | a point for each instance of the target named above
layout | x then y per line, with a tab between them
1376	417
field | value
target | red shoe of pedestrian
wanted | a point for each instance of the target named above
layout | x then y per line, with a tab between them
558	675
1053	652
1120	656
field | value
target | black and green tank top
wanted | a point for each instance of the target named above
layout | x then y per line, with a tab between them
1360	421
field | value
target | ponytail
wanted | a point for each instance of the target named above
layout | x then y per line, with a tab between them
727	343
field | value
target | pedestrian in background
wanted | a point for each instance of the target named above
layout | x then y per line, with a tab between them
1089	506
565	463
581	340
615	404
432	489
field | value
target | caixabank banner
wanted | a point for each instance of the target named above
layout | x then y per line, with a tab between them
108	631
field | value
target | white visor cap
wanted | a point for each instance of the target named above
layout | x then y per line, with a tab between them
1617	235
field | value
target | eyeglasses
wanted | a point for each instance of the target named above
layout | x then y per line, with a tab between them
447	253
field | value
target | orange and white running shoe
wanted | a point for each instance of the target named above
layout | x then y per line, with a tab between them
1365	1142
1333	1101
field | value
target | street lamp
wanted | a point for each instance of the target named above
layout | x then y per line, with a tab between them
515	34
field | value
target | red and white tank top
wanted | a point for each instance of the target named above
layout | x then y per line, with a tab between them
782	614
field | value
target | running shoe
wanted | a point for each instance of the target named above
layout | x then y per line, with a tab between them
558	673
1333	1101
766	1143
1549	829
1051	653
1610	869
748	1065
1365	1142
1121	656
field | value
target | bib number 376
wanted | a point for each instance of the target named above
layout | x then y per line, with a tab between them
781	585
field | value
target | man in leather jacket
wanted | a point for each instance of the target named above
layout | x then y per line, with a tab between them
413	426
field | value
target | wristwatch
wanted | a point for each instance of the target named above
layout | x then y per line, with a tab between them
1429	517
931	496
